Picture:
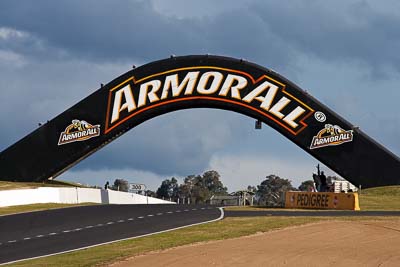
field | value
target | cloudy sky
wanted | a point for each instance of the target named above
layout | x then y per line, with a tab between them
54	53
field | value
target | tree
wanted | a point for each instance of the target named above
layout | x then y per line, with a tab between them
199	188
251	189
121	185
168	189
307	186
200	194
186	189
269	192
194	188
174	187
213	184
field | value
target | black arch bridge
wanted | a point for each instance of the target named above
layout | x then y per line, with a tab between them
199	82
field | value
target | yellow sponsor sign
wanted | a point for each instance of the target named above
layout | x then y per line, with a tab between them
322	200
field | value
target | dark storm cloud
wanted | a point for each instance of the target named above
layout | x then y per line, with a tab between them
265	31
133	30
112	30
335	31
101	30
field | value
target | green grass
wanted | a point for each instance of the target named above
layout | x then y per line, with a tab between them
37	207
380	198
254	208
5	185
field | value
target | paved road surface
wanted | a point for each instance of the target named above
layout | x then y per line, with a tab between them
35	234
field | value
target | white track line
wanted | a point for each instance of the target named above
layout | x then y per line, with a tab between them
129	238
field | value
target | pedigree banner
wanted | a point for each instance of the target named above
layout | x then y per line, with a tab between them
322	200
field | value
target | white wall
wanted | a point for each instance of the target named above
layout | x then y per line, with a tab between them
116	197
71	195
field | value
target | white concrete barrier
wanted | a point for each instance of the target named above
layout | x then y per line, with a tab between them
88	195
67	195
71	195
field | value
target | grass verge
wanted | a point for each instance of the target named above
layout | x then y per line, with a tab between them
225	229
37	207
5	185
380	198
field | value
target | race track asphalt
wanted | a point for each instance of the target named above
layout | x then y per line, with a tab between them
35	234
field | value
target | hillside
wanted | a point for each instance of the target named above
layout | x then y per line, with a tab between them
380	198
